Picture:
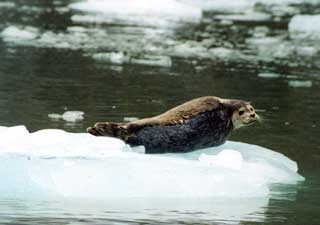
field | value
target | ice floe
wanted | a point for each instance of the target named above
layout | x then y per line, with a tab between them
112	57
152	13
7	4
246	16
157	44
300	83
269	75
77	165
69	116
130	119
305	26
13	33
222	5
306	51
239	6
125	58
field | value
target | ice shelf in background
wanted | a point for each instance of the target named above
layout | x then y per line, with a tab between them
305	26
145	12
69	116
54	163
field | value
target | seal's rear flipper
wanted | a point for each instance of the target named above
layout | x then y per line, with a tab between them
116	130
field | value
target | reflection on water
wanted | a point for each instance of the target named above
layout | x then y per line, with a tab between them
138	211
55	69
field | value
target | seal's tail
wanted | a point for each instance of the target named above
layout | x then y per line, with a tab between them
117	130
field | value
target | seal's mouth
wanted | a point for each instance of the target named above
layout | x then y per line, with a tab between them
249	123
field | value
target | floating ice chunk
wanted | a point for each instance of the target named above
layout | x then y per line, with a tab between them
189	49
299	83
226	53
269	75
263	40
72	116
221	52
69	116
130	119
13	33
153	60
140	10
112	57
306	51
247	16
285	2
69	165
7	4
305	26
222	5
77	29
269	48
122	58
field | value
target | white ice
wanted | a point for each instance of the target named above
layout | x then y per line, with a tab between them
248	15
239	6
269	75
305	26
300	83
120	58
112	57
69	116
7	4
13	33
54	163
307	50
222	5
138	11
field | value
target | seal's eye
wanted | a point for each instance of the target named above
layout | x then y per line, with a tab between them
241	112
251	109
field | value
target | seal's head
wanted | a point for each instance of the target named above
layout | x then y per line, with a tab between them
243	113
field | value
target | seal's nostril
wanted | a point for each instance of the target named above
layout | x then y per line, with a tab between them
253	115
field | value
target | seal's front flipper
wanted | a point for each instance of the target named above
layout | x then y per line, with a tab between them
117	130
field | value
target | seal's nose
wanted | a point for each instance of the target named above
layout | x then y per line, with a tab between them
253	115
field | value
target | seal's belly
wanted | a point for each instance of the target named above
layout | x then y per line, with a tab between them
205	130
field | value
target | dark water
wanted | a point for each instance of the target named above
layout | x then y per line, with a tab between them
36	81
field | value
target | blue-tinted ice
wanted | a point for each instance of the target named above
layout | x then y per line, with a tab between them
54	163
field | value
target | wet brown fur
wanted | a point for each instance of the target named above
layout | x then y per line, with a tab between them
174	116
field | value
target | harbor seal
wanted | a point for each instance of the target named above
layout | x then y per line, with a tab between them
200	123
